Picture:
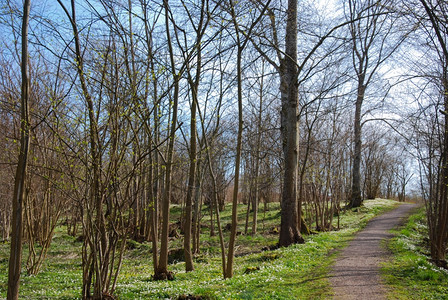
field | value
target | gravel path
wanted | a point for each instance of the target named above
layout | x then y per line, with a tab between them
356	273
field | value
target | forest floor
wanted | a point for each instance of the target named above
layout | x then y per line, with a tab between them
301	271
356	272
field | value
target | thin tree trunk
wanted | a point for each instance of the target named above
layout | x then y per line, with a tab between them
15	257
214	200
191	183
162	269
152	195
195	228
439	245
257	157
230	254
99	243
154	172
246	225
194	85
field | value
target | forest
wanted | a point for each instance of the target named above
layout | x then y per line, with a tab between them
177	140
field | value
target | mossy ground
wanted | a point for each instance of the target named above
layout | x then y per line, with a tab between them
296	272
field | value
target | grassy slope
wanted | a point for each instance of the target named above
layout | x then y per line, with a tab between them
409	273
296	272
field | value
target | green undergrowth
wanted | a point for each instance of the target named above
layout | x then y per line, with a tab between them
295	272
409	272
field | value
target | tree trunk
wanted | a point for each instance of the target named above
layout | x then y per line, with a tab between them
162	269
257	157
289	227
230	254
15	257
356	199
154	167
192	175
439	216
439	242
152	207
196	226
240	47
99	246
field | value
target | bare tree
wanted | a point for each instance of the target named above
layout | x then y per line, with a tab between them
162	268
240	44
437	205
15	256
289	227
374	39
193	81
292	74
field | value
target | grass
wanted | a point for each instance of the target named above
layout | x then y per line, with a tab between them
295	272
60	277
409	273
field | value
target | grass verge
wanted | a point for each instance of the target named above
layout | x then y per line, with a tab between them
296	272
409	274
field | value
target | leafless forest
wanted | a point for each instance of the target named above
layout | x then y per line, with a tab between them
111	111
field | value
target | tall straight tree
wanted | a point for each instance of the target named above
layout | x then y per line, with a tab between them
162	268
374	39
193	82
289	70
241	44
15	255
153	158
289	227
293	73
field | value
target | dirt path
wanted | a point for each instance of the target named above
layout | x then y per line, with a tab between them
356	273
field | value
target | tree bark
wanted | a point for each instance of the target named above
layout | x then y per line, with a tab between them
356	199
154	167
257	157
162	269
15	255
192	171
196	220
194	86
289	227
230	254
